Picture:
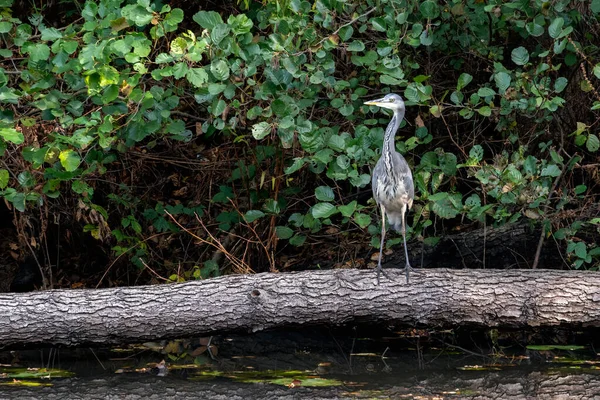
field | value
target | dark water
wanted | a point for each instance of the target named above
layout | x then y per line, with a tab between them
317	363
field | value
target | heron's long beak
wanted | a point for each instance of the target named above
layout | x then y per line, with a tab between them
377	102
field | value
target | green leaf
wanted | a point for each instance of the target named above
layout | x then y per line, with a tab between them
363	220
520	56
240	24
502	80
38	52
261	130
220	70
5	27
442	205
476	152
253	215
534	29
4	177
11	135
551	170
356	45
110	94
138	14
597	69
283	232
207	19
197	76
555	28
485	92
324	193
296	165
323	210
595	6
485	111
463	80
298	240
560	84
429	9
348	209
50	34
580	250
69	159
592	143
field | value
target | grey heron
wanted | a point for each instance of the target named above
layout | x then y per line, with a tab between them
392	181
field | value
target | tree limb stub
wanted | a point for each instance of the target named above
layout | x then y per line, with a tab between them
438	298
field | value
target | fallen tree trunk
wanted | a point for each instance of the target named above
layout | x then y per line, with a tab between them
509	298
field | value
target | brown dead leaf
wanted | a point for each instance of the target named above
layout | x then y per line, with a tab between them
419	121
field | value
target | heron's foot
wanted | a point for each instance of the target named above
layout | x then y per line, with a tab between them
381	271
408	269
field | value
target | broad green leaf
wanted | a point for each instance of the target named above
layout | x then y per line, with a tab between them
520	56
220	70
283	232
426	38
378	24
356	45
363	220
324	193
207	19
551	170
197	76
50	34
69	159
560	84
261	130
298	240
138	14
485	92
296	165
463	80
5	27
476	152
253	215
534	29
348	209
429	9
323	210
12	135
240	24
4	177
110	94
485	111
597	69
555	28
38	52
592	143
502	80
442	205
579	249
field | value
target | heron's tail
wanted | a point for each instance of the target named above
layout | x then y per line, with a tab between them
395	220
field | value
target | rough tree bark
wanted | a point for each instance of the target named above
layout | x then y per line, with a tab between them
509	298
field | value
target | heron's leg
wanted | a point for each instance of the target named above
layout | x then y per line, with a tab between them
407	268
379	268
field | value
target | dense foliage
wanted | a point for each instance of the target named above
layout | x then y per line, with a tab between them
195	142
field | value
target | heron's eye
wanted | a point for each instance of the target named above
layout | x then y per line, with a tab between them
392	100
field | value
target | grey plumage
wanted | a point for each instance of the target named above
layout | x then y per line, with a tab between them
392	181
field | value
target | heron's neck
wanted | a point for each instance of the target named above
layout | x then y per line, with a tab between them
389	142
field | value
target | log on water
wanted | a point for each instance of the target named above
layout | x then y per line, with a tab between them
436	298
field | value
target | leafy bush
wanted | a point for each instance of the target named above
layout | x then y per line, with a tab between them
501	96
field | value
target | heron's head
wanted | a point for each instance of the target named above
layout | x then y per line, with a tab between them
391	101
